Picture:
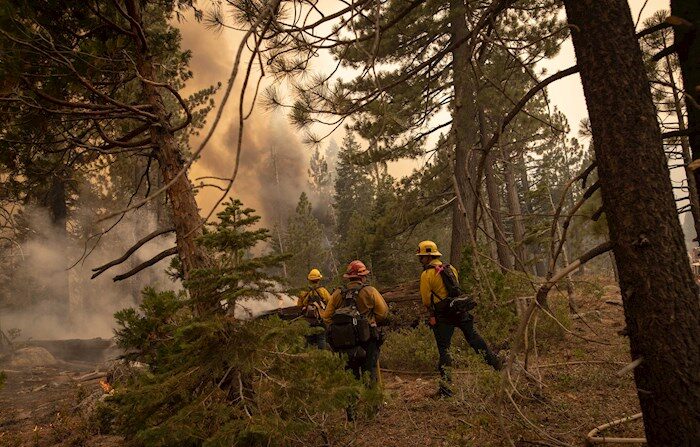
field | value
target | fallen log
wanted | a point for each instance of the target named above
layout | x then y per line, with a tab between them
284	313
89	350
399	293
403	299
91	376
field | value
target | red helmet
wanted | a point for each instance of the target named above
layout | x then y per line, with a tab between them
356	269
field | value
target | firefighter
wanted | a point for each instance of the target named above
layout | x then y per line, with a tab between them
444	318
357	297
313	302
353	315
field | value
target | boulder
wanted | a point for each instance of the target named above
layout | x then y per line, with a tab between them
32	356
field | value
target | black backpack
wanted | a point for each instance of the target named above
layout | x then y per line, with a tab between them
455	303
348	328
449	279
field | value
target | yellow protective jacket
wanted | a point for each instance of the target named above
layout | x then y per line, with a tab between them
304	295
370	303
432	286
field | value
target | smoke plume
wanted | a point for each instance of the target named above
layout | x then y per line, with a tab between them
273	162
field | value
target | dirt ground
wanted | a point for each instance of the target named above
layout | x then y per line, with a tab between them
574	389
41	406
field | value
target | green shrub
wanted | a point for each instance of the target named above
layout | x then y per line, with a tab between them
213	380
496	293
415	350
410	349
226	382
550	330
496	313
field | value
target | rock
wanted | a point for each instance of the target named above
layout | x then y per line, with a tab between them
31	357
88	405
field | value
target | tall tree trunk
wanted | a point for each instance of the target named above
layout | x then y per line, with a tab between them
185	214
528	250
278	208
496	218
570	291
494	198
517	215
55	202
687	42
490	234
567	247
660	297
464	131
460	238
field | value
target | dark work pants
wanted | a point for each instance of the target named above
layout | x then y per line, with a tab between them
317	340
443	331
368	365
370	362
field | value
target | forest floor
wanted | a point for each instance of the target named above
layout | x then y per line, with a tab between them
45	405
578	390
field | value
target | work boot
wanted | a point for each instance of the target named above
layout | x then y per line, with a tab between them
350	413
499	362
444	391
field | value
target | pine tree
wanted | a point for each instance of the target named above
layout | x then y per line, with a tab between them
321	190
102	79
214	380
331	155
305	243
353	199
655	277
319	177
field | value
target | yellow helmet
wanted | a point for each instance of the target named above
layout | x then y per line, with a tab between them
428	248
314	275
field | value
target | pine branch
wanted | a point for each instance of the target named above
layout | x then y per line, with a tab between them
652	29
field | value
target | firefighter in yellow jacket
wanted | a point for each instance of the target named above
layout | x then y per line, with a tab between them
446	313
369	306
313	302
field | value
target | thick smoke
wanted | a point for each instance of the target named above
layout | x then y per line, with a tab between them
247	308
273	163
47	299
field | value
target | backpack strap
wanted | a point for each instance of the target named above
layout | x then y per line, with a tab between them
433	295
355	292
313	291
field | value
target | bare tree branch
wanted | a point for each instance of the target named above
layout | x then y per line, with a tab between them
100	270
154	260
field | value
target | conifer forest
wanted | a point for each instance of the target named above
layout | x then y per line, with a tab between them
349	223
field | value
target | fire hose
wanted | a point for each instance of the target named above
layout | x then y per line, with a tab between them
592	439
